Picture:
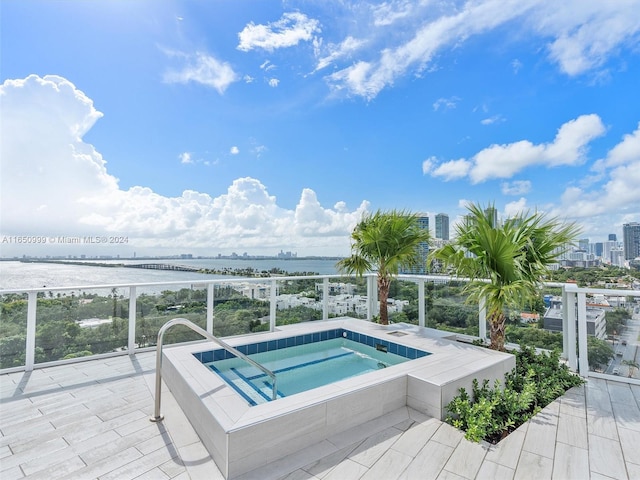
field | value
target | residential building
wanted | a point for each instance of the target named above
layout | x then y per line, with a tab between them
631	239
442	226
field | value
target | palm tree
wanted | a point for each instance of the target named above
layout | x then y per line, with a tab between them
505	263
632	366
385	242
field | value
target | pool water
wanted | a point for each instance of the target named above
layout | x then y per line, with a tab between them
303	367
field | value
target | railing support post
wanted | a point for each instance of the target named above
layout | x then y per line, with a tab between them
30	347
132	321
421	303
210	303
583	359
325	298
482	319
273	304
569	311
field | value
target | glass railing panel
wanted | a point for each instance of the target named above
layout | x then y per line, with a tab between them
613	335
298	300
80	323
156	306
13	329
241	307
539	323
402	304
447	308
347	297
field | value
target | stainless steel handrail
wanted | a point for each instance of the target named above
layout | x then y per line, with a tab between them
157	417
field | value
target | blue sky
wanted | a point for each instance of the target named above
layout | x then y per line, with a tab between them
255	126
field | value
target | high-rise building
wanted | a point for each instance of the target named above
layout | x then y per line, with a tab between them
631	239
583	244
612	237
599	248
492	214
423	247
442	226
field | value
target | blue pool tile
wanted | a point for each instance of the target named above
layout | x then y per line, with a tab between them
198	355
262	347
316	337
308	338
291	341
218	355
207	357
271	345
393	348
282	343
324	336
243	349
402	350
252	348
411	353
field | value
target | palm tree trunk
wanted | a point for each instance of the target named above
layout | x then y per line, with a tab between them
497	331
383	295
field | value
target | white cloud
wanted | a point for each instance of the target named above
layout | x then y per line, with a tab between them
202	68
445	103
503	161
513	209
334	52
619	191
185	157
492	120
273	82
518	187
53	183
579	36
290	30
234	150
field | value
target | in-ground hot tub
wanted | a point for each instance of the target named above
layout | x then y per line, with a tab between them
243	432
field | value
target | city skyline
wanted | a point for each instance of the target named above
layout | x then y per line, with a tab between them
261	125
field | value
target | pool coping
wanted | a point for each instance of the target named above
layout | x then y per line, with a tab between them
242	438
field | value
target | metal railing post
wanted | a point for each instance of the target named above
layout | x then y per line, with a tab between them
482	319
132	321
583	359
273	304
30	346
210	304
325	298
421	305
157	416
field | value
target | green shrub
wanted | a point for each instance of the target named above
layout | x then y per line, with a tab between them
491	413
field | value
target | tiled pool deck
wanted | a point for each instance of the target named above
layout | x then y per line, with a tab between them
91	420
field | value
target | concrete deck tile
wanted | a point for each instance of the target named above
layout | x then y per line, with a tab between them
533	467
541	434
466	459
602	425
620	392
605	457
155	474
298	475
570	462
630	443
390	465
347	469
627	415
413	439
448	435
429	462
370	451
573	431
447	475
494	471
507	452
320	468
106	465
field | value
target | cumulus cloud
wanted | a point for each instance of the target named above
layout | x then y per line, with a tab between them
492	120
518	187
503	161
201	68
618	191
185	157
54	183
273	82
291	29
333	52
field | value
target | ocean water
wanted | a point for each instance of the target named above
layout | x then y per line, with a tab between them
19	275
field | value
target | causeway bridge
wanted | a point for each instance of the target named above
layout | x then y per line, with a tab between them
163	266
